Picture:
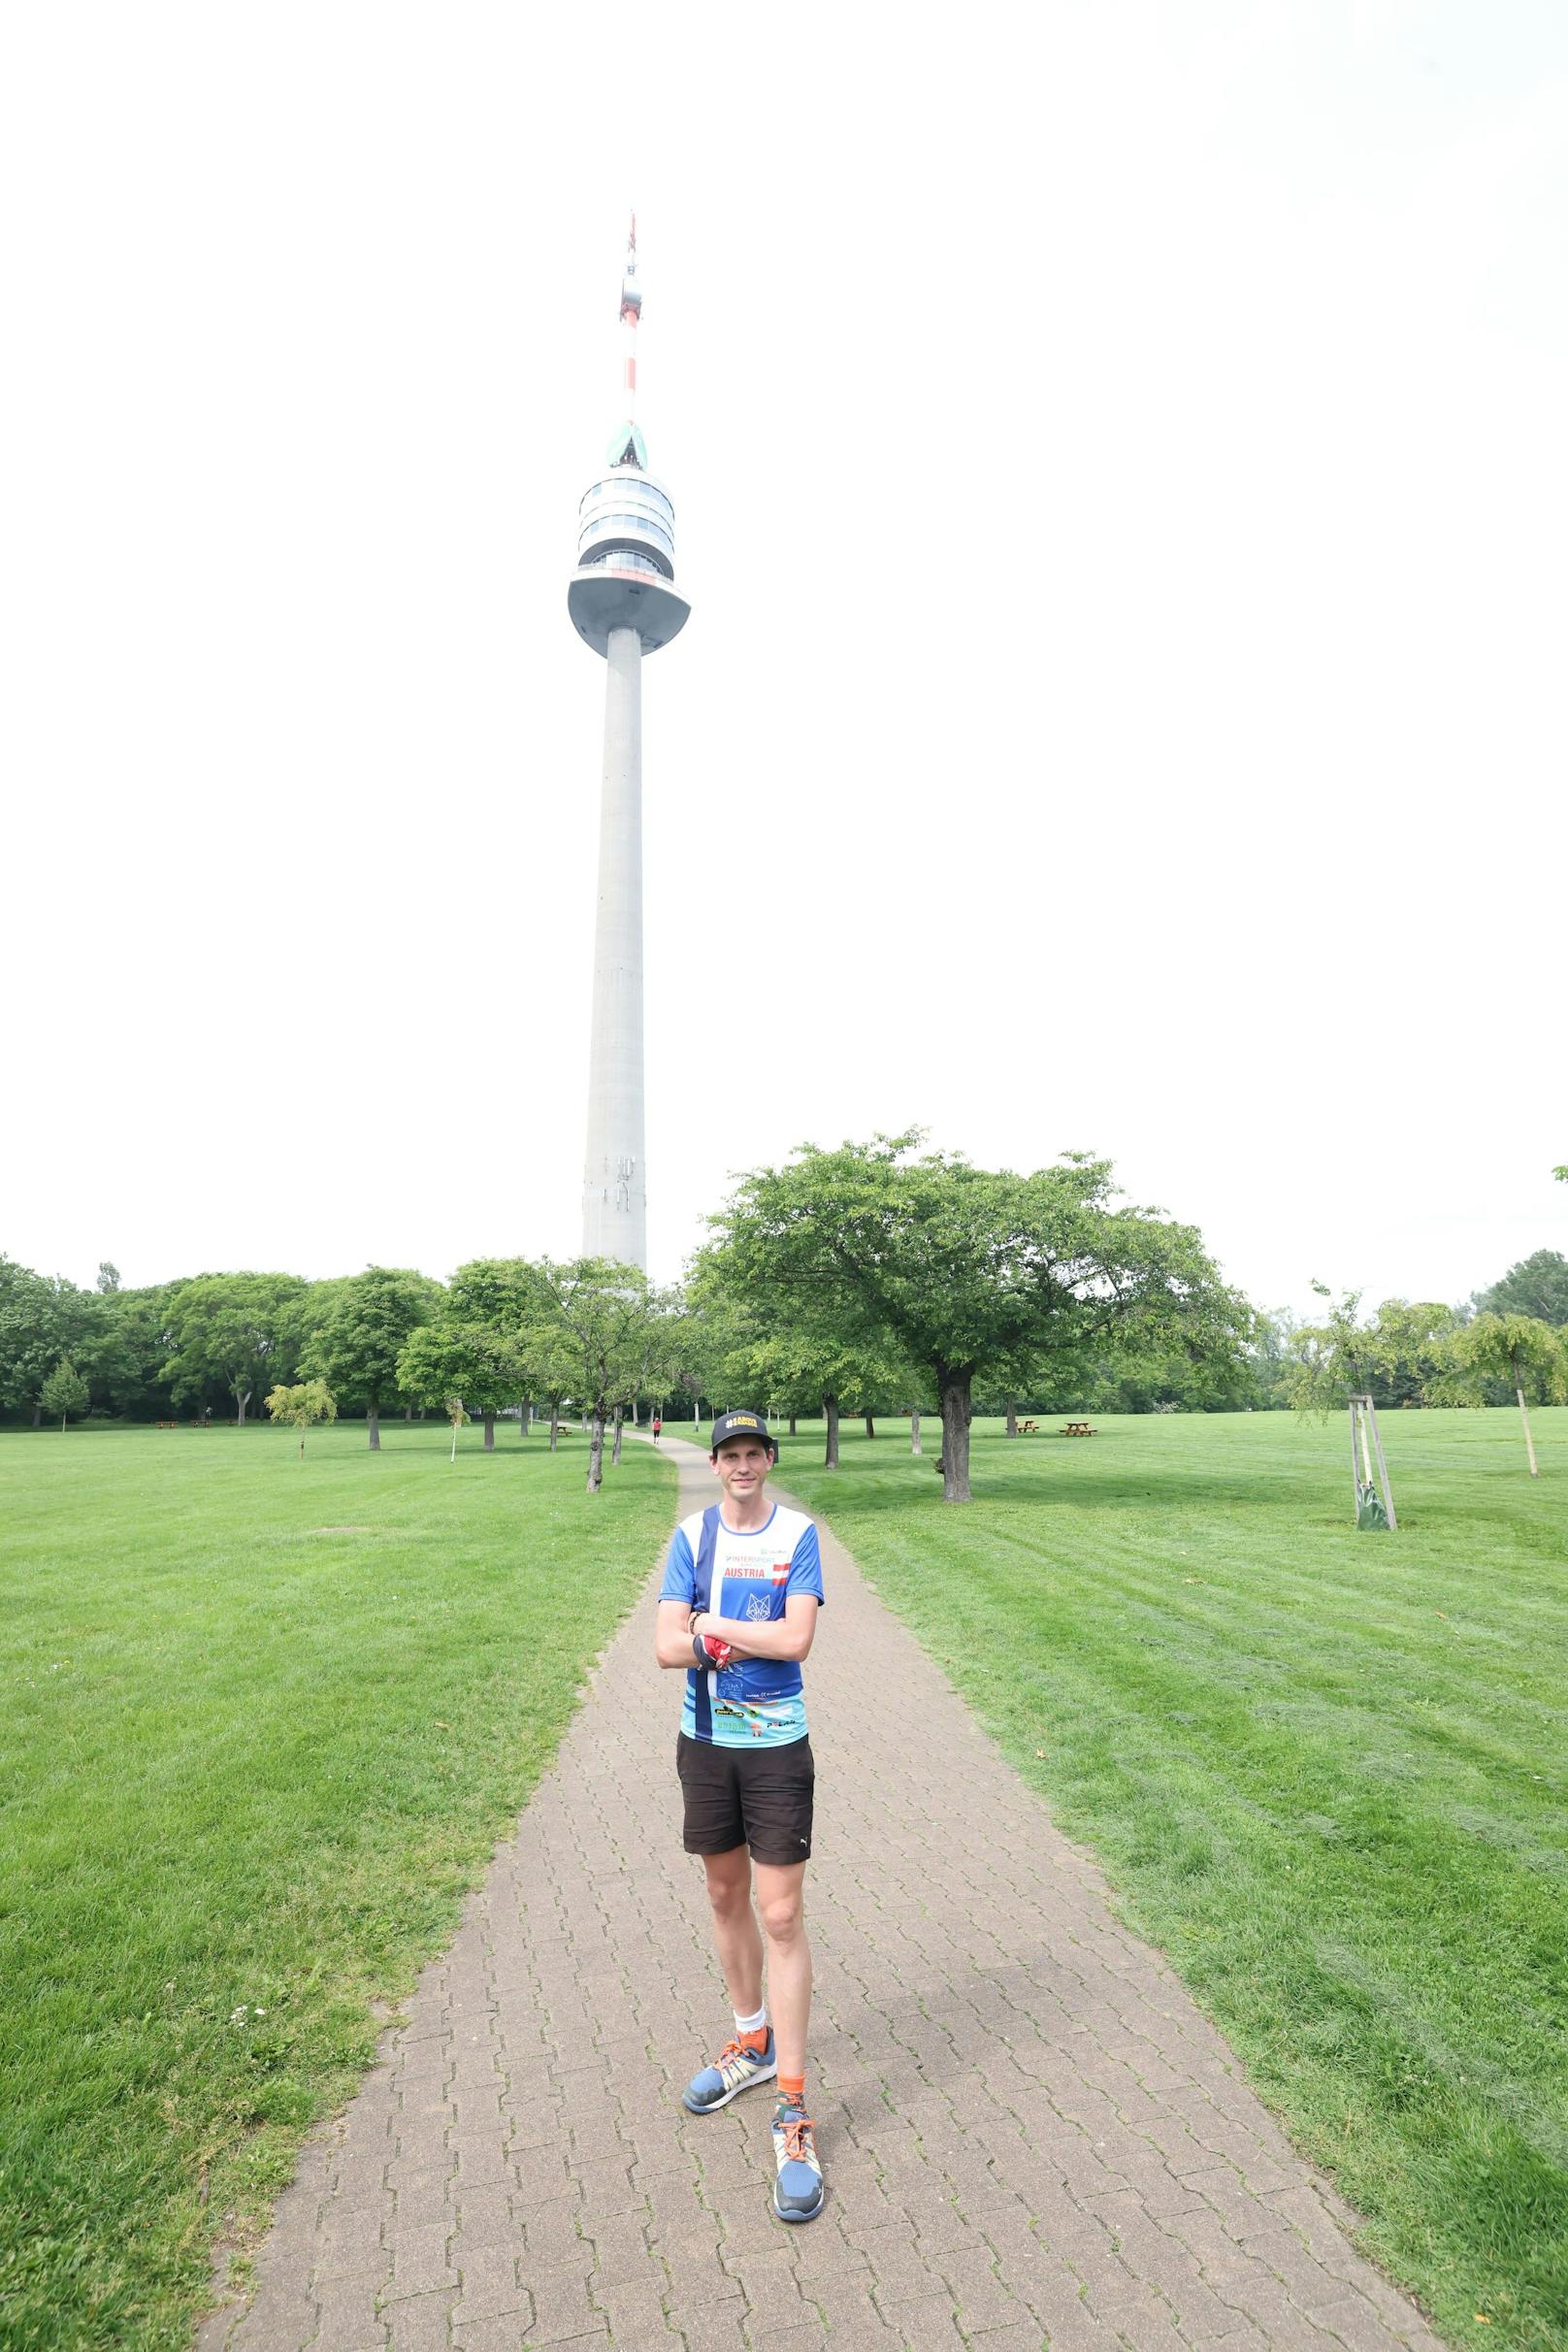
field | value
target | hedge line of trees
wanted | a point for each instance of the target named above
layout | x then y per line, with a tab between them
875	1279
504	1333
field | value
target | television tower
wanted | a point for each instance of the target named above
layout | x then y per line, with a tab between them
624	604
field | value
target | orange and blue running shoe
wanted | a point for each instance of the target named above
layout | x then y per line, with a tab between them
798	2189
735	2070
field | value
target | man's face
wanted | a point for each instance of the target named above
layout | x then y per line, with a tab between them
741	1466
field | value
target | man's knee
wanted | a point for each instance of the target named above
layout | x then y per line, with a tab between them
729	1882
781	1917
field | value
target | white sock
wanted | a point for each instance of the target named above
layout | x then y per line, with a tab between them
752	2025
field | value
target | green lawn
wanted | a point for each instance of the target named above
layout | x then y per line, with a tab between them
263	1722
1325	1770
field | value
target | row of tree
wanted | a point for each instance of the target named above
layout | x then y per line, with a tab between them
503	1334
877	1278
1427	1354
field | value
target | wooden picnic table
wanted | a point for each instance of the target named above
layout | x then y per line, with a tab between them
1079	1429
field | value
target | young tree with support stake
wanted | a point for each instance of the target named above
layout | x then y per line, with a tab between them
955	1268
1512	1348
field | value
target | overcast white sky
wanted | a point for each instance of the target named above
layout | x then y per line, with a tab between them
1120	473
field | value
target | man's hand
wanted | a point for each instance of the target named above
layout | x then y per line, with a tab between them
707	1649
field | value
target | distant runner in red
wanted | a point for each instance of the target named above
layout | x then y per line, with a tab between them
738	1609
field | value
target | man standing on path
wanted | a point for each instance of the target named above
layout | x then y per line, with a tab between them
738	1610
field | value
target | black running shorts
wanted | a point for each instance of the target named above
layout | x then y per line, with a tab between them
759	1797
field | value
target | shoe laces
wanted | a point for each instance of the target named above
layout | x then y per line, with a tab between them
798	2144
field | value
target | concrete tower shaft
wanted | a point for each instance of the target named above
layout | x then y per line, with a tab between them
614	1186
624	602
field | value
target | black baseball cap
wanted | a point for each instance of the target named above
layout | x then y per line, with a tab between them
740	1424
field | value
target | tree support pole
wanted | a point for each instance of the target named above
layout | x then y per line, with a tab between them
1530	1442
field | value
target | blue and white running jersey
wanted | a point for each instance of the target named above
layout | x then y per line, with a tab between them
757	1702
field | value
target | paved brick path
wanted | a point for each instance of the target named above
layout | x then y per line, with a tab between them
1030	2136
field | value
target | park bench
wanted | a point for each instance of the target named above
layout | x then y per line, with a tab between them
1028	1428
1079	1429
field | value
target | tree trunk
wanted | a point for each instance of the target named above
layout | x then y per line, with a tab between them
408	1412
62	1425
829	1406
1012	1417
522	1422
870	1425
373	1427
302	1441
555	1430
953	1388
596	1454
489	1434
794	1431
38	1416
615	1449
242	1398
914	1432
1530	1442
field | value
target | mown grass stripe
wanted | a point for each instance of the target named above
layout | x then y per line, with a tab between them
251	1763
1326	1772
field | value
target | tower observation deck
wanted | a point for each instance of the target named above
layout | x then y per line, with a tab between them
624	602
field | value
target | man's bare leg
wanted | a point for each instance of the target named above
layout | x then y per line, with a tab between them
735	1933
779	1890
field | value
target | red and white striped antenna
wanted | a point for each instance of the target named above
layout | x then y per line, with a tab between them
629	449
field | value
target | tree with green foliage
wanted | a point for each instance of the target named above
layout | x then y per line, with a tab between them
805	1363
1392	1358
366	1326
125	1350
42	1318
613	1325
64	1392
231	1332
302	1407
1410	1343
959	1270
505	1293
1538	1286
500	1296
478	1362
1330	1361
1518	1351
554	1366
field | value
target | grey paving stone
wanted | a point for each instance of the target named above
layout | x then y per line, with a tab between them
1030	2132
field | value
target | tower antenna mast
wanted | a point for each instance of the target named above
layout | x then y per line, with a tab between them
624	602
